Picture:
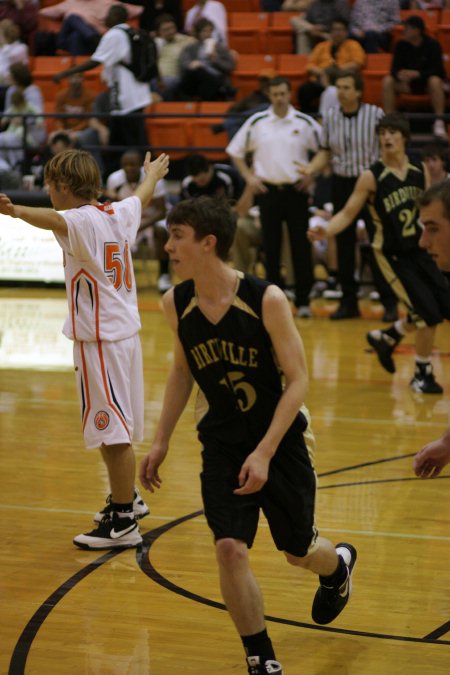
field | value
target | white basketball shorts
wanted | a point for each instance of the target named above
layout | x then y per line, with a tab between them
110	385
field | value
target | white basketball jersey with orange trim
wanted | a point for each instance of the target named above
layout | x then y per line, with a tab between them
98	269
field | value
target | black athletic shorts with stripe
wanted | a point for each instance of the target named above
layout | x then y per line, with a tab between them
287	499
419	284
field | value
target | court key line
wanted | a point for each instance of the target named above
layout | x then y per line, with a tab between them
143	560
23	645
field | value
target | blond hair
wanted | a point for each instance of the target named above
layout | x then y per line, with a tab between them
77	170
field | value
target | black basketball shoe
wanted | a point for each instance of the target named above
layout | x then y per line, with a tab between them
329	601
255	667
424	381
113	532
384	348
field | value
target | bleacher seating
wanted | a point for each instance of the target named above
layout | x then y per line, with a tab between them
263	40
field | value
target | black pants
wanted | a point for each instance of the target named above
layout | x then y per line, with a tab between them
346	243
126	132
286	204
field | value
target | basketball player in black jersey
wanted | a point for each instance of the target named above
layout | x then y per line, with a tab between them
391	188
232	335
434	212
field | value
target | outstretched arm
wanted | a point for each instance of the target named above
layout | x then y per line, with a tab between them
154	171
80	68
43	218
178	389
429	462
365	186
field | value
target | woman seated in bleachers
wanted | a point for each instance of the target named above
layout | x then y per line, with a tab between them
25	129
21	79
205	66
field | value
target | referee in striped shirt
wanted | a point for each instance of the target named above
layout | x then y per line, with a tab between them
350	143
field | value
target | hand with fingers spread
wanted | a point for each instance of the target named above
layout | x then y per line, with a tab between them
158	167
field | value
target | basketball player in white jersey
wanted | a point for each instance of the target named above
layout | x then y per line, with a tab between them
103	322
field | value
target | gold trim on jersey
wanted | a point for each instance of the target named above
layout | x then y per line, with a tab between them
193	303
388	170
240	304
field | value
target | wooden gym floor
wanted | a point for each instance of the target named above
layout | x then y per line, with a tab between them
70	612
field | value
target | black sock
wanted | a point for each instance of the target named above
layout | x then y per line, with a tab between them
339	575
393	333
424	367
122	508
258	645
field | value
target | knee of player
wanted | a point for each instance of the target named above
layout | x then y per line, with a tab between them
231	552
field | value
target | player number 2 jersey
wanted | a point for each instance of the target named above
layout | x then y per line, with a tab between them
98	269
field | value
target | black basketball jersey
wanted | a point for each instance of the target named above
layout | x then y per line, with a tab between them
394	213
233	363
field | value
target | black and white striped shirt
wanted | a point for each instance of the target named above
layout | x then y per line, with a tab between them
351	139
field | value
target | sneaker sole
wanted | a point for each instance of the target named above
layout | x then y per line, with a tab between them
110	545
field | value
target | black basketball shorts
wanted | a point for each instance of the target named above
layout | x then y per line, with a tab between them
287	500
419	284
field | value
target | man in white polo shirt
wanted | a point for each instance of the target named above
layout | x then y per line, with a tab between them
280	139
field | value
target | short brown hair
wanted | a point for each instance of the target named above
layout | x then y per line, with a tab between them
207	215
76	169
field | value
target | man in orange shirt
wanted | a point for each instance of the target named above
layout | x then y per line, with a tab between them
78	100
339	51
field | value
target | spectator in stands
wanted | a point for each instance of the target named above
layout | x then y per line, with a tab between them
153	9
212	10
210	180
21	78
169	44
126	94
417	67
345	54
12	50
435	157
205	66
19	131
329	97
24	13
238	112
122	184
77	99
315	25
372	21
84	22
57	142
